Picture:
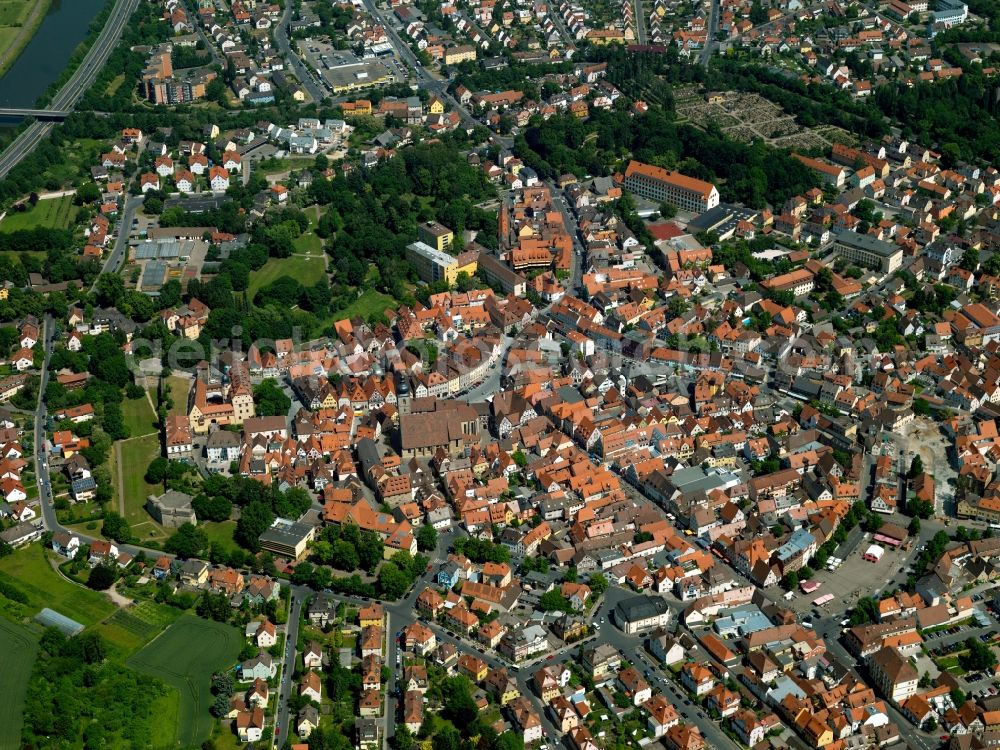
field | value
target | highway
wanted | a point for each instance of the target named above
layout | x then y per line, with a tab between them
74	88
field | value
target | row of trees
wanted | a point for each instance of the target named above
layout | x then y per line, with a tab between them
755	174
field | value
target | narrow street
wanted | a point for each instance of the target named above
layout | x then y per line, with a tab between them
286	689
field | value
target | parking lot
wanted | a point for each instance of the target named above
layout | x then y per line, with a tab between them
854	578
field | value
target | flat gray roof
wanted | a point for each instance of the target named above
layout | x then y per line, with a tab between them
868	243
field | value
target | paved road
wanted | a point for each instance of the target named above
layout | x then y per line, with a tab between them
74	88
491	383
120	250
640	23
288	667
569	221
713	28
287	50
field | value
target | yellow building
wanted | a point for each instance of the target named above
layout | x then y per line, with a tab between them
435	106
436	235
461	53
434	265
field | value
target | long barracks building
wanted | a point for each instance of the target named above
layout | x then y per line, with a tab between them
657	184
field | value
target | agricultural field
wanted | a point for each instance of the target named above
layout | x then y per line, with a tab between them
139	416
185	656
132	628
55	213
18	647
29	570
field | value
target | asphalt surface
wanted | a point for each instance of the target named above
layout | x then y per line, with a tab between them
288	665
713	28
74	88
120	249
306	77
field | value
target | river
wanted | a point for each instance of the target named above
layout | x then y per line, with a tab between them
44	58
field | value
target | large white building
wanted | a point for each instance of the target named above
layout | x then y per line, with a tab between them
657	184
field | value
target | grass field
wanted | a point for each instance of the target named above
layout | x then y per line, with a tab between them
19	20
179	388
131	629
185	656
307	271
139	416
369	303
136	455
57	213
308	242
29	570
18	647
219	533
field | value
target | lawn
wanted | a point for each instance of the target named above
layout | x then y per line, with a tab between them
950	664
369	303
307	271
178	388
29	570
18	647
185	656
220	533
57	213
308	242
139	416
136	455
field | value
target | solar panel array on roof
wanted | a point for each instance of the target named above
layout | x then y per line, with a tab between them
52	619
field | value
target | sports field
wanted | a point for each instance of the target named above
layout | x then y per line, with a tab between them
185	656
18	647
55	213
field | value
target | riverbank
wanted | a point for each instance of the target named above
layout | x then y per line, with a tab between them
10	51
94	30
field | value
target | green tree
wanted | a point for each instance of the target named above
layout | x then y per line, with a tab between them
255	518
188	541
598	583
865	611
916	467
116	527
344	556
270	400
427	537
979	656
101	577
156	472
554	601
392	582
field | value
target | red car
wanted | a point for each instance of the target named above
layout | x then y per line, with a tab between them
550	657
